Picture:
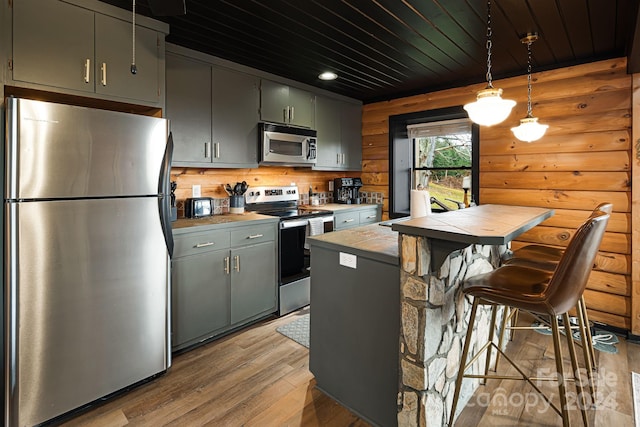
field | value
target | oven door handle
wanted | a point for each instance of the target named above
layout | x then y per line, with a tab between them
294	223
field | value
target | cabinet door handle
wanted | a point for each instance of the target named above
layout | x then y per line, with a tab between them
217	150
349	220
206	150
87	68
255	236
236	261
103	70
226	265
342	156
293	114
338	158
204	245
286	114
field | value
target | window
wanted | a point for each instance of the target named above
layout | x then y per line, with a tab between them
436	148
442	161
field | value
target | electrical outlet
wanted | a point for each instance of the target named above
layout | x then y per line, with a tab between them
195	191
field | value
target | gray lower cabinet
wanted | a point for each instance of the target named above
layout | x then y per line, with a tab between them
221	280
355	322
200	297
355	217
213	113
74	49
339	126
280	103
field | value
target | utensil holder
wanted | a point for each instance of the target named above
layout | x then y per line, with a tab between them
236	204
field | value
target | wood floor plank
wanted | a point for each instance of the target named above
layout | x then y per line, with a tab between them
257	377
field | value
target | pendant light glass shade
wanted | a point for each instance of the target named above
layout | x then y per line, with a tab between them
529	130
489	108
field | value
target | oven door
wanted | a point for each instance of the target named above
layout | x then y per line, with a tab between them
293	263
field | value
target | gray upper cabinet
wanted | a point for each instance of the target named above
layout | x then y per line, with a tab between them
188	107
53	44
280	103
113	74
213	113
73	49
236	99
329	132
339	126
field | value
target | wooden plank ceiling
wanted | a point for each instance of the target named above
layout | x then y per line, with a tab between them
384	49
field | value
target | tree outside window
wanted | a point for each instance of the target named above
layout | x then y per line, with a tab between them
442	159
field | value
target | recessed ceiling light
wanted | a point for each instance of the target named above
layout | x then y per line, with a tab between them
328	75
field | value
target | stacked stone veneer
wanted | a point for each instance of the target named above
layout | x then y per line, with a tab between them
435	315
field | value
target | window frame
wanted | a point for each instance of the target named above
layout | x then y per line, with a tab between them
398	136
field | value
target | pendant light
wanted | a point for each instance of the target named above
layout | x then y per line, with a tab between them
489	108
529	130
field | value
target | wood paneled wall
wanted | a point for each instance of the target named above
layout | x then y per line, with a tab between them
212	180
584	159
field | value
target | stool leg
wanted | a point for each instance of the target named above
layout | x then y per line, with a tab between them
581	398
463	360
507	314
585	319
492	328
584	332
561	381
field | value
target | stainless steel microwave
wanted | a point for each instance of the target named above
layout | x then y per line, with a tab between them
287	146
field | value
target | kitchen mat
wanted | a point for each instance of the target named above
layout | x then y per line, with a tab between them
297	330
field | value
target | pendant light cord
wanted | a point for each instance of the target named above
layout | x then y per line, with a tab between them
529	79
489	45
134	69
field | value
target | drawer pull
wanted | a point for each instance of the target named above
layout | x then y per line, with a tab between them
371	216
204	245
255	236
349	220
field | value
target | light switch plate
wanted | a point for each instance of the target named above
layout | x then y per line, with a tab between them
195	190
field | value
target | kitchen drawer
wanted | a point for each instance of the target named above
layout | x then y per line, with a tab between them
253	234
369	216
195	243
346	220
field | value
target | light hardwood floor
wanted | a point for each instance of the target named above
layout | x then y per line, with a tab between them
257	377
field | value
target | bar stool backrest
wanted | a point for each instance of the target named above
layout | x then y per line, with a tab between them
570	277
605	207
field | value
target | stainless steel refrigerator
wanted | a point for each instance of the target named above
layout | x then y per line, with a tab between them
86	256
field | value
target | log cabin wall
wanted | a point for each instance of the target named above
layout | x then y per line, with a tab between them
584	159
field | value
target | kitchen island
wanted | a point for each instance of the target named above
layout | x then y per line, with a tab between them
435	254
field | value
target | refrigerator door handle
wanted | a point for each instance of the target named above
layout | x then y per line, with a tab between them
165	191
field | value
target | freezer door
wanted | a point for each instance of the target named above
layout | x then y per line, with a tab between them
57	151
88	291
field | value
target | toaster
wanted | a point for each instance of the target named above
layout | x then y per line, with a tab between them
197	207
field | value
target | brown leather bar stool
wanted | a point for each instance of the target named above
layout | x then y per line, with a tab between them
547	258
542	293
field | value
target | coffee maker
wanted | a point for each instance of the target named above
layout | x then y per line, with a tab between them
347	190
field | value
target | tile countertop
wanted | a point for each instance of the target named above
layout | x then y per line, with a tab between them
371	241
184	223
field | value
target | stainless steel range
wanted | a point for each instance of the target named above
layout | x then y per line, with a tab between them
294	259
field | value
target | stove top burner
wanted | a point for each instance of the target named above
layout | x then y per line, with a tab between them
279	201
